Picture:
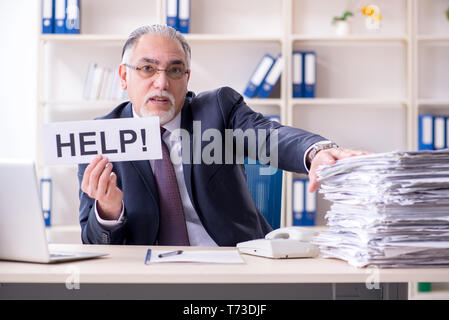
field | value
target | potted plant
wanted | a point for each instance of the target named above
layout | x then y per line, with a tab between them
341	23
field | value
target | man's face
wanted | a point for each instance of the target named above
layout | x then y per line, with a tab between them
158	95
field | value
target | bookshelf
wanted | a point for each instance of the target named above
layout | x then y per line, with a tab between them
371	86
431	63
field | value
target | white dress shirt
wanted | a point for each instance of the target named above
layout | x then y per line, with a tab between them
198	236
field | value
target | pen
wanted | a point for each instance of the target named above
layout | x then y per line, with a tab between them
147	258
171	253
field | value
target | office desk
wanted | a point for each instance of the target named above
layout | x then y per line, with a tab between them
123	274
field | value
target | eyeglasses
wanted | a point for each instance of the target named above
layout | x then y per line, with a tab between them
174	72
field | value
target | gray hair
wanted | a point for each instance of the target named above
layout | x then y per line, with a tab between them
154	29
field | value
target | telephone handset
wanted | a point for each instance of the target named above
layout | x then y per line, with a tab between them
289	242
293	233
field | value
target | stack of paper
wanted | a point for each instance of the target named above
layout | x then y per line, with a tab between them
388	209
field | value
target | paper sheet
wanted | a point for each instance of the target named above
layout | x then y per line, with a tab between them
198	256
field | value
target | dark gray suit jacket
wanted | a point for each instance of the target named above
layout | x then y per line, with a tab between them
218	192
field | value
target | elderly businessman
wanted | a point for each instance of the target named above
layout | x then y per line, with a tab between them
159	202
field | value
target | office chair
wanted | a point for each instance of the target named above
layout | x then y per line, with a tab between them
266	191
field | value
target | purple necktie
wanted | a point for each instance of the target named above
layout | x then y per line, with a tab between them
172	224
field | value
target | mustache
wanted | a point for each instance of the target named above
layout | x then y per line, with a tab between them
163	93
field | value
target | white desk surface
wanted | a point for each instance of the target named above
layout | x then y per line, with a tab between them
125	264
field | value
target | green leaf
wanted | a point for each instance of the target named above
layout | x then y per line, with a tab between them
347	14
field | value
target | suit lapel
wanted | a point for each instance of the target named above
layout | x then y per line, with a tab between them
187	124
143	167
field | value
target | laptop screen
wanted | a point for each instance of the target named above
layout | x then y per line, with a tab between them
22	229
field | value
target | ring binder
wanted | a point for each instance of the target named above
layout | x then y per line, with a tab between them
259	76
271	79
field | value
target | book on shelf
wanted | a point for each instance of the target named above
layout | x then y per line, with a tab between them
304	203
258	77
61	16
433	132
102	83
178	15
304	74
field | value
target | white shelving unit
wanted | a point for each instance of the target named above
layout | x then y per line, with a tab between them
361	77
371	86
432	53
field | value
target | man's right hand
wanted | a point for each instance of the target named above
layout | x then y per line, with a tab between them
100	183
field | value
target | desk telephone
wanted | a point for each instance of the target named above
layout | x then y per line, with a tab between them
289	242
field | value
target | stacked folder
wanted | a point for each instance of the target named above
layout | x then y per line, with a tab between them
178	15
304	74
269	70
61	16
433	132
265	77
388	209
304	203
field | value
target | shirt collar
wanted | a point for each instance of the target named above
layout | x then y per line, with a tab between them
170	126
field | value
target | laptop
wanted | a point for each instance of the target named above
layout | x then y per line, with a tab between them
22	227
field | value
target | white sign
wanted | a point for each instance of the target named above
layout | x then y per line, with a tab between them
125	139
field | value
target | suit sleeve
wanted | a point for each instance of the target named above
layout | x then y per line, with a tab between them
286	150
92	232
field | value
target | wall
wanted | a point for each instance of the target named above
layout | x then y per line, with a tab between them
18	63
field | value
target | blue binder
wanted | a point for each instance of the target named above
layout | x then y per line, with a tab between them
310	213
446	140
259	76
59	26
439	132
46	199
271	79
425	132
172	13
47	16
73	16
309	74
266	191
304	203
298	74
184	16
299	196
